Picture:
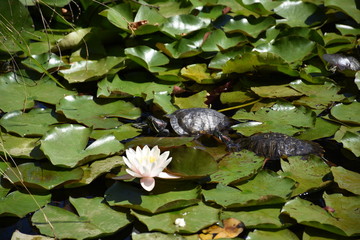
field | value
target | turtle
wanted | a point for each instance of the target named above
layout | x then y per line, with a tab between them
194	122
342	62
274	146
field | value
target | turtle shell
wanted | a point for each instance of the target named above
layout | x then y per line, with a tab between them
196	121
277	145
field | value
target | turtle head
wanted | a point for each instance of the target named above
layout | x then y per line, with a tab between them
157	125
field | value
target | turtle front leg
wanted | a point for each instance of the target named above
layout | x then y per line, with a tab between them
231	146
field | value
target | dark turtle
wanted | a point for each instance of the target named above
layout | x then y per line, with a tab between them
277	145
193	122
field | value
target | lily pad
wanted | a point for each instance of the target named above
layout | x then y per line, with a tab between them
125	195
67	145
308	173
147	57
181	25
344	220
263	218
20	147
19	92
121	133
347	6
159	141
349	139
34	123
250	26
322	129
188	161
137	87
85	110
95	169
163	100
90	70
346	179
256	192
18	204
284	234
276	91
237	166
218	41
347	112
317	96
195	218
41	175
300	48
195	101
289	119
85	224
47	61
200	74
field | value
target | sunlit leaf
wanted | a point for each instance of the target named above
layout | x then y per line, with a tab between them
42	175
343	220
18	204
195	218
85	224
346	179
237	167
121	133
125	195
67	145
251	26
195	101
163	100
48	61
308	173
200	74
349	7
218	41
147	57
20	147
276	91
19	92
347	112
104	115
181	25
284	234
35	123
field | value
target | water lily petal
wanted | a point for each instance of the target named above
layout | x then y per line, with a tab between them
167	175
148	183
133	173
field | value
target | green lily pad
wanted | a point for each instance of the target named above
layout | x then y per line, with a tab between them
122	132
317	96
346	179
19	235
181	49
194	101
95	169
322	129
125	195
47	61
317	234
161	236
284	234
85	110
147	57
66	145
263	218
276	91
297	13
282	118
20	147
18	204
181	25
236	97
90	70
85	224
159	141
349	139
137	87
218	41
308	173
15	31
250	26
237	166
187	161
349	7
34	123
344	220
195	218
19	92
256	192
300	48
200	74
347	112
255	61
41	175
163	100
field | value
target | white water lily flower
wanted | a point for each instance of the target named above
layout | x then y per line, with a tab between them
146	164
